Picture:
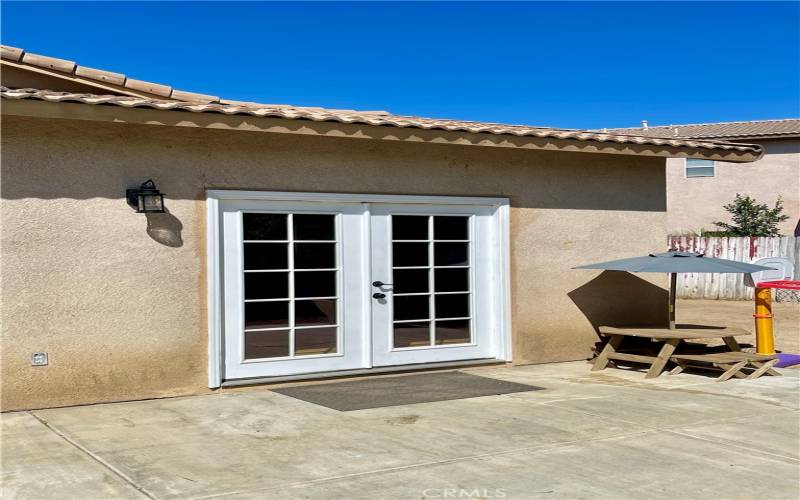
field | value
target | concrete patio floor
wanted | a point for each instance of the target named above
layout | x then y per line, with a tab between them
609	434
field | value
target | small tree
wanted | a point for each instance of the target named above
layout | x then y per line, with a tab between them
751	218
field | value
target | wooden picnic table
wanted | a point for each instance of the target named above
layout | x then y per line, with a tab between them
670	338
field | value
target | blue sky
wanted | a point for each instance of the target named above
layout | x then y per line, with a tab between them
570	64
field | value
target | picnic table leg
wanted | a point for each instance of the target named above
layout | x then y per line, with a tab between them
611	346
762	368
731	370
663	358
732	344
680	365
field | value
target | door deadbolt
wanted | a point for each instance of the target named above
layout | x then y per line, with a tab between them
378	295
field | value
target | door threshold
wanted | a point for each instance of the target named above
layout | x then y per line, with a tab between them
360	371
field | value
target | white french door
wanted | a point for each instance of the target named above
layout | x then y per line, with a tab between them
432	284
293	278
310	283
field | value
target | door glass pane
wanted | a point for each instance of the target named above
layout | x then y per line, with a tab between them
452	332
266	256
266	285
410	281
410	254
452	305
452	280
310	271
315	284
314	227
447	227
314	341
412	334
413	316
264	226
411	307
314	255
266	314
270	344
450	254
315	312
409	227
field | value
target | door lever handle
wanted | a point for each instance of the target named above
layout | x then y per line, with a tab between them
380	283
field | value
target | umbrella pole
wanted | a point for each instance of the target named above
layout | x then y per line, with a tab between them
673	291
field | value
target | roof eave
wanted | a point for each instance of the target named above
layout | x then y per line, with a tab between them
217	121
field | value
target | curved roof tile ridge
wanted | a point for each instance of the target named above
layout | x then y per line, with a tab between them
174	99
323	115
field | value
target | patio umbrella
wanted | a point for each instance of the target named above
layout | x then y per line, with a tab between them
676	262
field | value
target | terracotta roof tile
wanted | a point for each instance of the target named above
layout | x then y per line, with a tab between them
182	95
48	62
725	130
18	55
101	75
149	87
11	53
372	118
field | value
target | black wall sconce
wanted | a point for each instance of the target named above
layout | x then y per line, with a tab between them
146	199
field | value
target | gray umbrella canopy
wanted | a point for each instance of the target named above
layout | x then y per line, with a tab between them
676	262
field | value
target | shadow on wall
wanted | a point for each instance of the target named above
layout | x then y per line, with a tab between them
617	298
102	159
165	228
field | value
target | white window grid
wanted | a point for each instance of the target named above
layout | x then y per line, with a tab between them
292	326
432	293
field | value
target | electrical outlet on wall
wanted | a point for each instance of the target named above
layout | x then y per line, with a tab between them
38	358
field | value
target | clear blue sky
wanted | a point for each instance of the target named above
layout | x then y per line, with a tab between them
570	64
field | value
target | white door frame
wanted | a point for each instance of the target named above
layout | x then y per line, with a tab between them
215	245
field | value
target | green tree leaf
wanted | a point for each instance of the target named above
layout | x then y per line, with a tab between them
750	218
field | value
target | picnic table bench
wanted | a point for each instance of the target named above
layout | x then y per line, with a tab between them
732	364
670	337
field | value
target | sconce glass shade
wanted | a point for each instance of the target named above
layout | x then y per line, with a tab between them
147	199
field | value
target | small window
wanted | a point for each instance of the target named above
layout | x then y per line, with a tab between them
699	168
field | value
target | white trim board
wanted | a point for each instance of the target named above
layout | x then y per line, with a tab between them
214	270
214	297
224	194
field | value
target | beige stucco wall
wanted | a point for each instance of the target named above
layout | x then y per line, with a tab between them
695	203
118	299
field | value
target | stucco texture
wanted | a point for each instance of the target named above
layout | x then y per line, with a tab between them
694	204
118	300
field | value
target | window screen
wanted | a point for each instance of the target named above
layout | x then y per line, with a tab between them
699	168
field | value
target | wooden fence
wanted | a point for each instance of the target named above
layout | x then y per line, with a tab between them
744	249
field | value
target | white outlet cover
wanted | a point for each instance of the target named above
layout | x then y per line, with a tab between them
38	358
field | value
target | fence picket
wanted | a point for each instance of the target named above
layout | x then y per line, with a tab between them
744	249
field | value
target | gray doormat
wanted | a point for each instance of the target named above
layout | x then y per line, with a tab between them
402	390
